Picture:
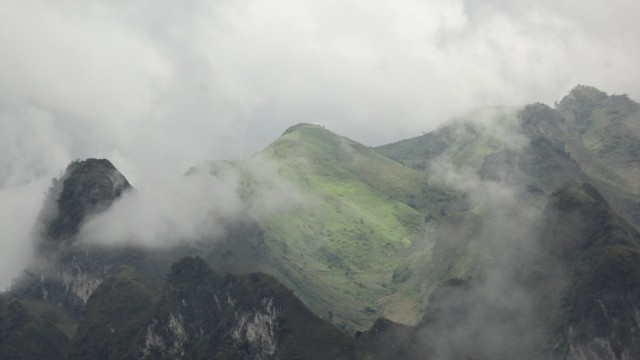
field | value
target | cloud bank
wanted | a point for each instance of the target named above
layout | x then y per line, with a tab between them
157	86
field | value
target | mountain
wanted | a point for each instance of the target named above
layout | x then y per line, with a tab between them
505	233
362	216
68	270
342	225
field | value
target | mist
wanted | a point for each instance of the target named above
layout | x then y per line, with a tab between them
199	205
157	87
171	211
494	312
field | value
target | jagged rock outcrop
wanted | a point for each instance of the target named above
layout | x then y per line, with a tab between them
201	314
253	316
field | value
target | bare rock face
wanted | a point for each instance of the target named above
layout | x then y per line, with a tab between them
202	314
249	316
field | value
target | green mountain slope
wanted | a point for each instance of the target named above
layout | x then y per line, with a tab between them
590	136
345	235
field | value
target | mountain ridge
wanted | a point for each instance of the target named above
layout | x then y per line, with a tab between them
505	233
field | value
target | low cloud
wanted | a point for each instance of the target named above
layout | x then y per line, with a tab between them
197	206
494	315
17	204
157	86
171	211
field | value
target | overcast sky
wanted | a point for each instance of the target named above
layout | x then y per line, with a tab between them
157	86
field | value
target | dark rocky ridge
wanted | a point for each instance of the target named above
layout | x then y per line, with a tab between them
201	314
601	253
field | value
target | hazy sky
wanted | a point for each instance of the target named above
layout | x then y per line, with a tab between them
157	86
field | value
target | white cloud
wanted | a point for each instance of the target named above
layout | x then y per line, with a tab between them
157	86
168	212
17	204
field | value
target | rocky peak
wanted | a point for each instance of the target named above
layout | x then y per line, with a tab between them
87	187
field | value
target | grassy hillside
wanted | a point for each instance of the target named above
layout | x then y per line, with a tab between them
347	227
